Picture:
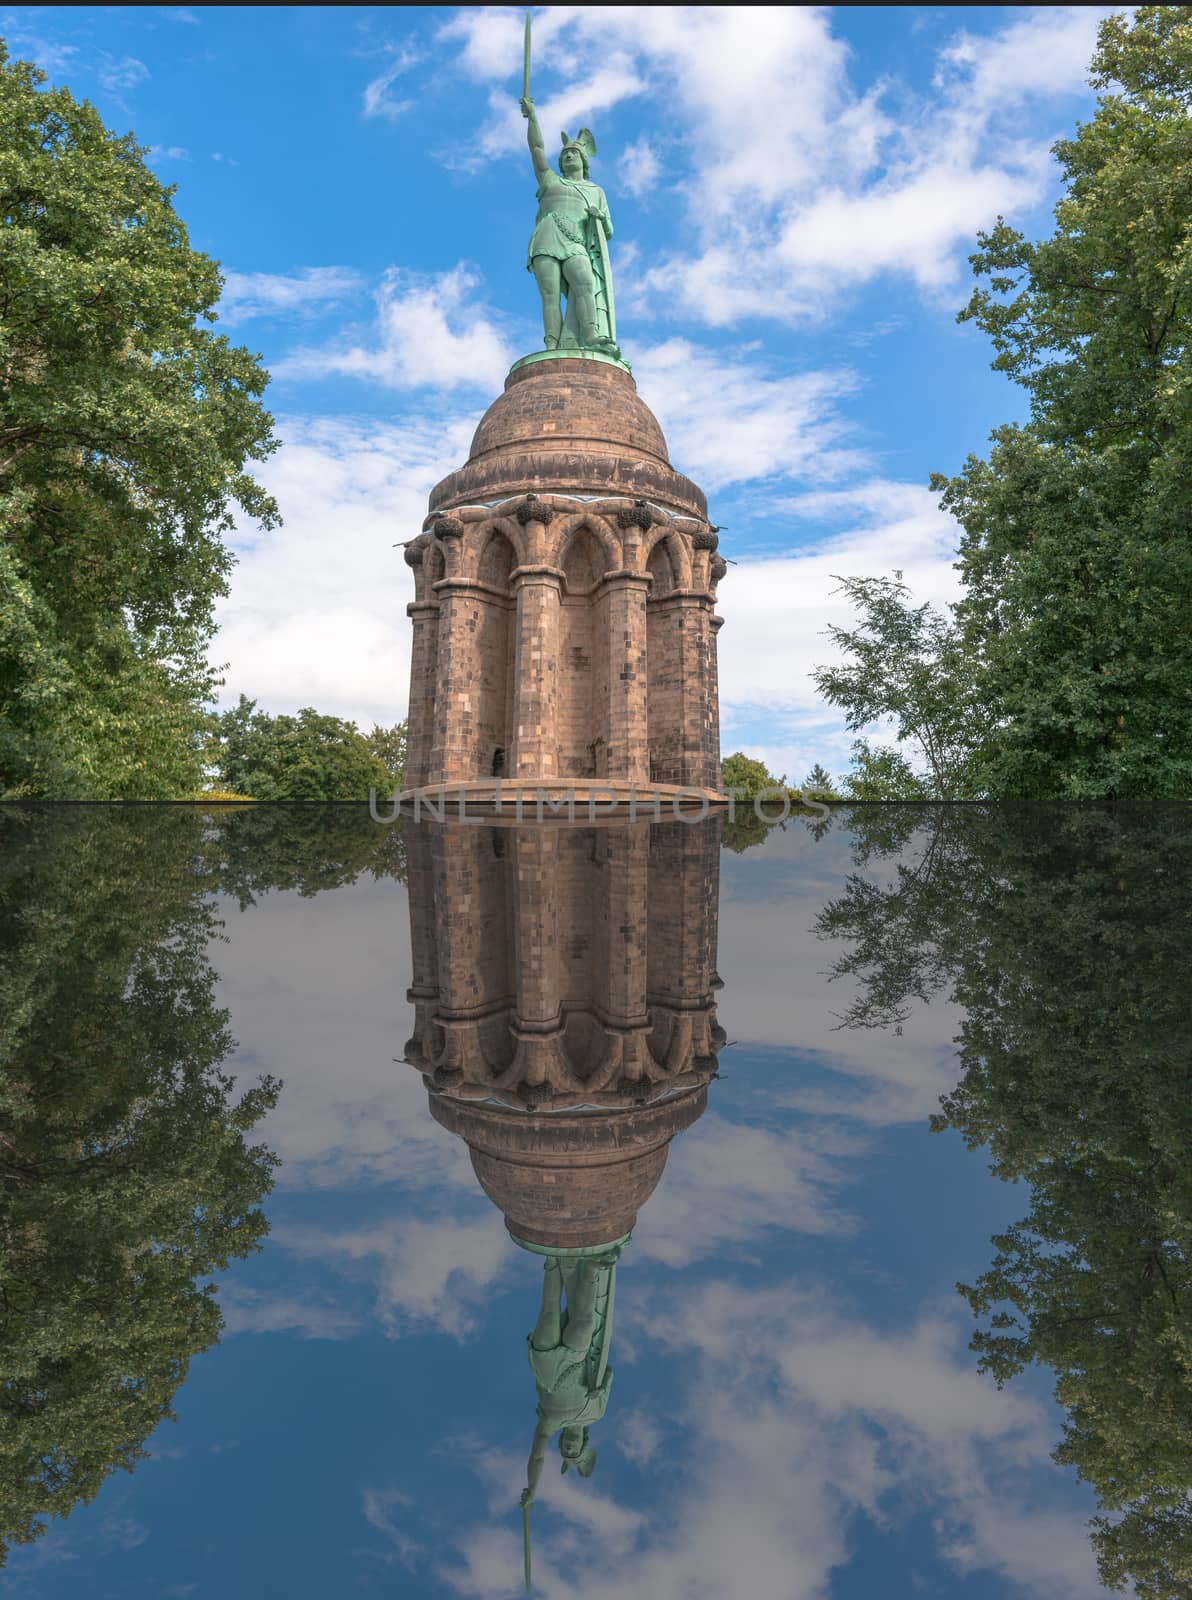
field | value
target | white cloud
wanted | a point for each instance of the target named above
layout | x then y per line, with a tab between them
639	168
170	152
780	607
119	77
265	294
728	418
180	14
429	333
377	101
317	610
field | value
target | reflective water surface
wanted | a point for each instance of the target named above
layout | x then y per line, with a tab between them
647	1210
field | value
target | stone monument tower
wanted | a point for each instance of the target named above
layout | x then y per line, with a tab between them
565	579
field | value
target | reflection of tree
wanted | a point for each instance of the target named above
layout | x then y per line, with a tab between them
1063	935
126	1175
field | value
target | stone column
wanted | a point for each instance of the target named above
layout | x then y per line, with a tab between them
623	596
715	624
451	747
622	995
420	723
536	929
539	591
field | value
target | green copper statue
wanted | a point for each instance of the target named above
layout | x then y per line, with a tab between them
568	252
569	1356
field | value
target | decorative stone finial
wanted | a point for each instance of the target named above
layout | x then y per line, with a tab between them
705	539
718	566
448	528
534	510
638	515
415	551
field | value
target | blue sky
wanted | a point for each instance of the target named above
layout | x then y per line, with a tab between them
795	1414
794	189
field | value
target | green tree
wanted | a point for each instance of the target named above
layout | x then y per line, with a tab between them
307	757
390	745
876	773
126	1176
126	426
1063	938
907	663
746	777
819	782
1075	558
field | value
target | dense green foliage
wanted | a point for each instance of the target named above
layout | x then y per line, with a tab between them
1063	936
307	757
1072	637
125	429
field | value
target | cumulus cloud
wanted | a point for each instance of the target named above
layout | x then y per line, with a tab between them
317	610
268	294
781	606
730	417
429	333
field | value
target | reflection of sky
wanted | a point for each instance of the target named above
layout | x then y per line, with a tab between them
795	1413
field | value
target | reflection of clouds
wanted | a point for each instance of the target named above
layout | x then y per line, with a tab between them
726	1183
796	1420
435	1270
316	991
247	1310
776	994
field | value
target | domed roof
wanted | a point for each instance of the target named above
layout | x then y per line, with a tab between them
569	424
566	1179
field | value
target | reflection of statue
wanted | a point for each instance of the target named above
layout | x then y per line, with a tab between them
568	251
569	1355
564	988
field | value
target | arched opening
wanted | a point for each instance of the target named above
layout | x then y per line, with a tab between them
494	637
583	661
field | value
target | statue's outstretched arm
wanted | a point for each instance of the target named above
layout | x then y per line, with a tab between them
534	133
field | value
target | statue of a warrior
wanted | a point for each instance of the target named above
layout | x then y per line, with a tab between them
568	252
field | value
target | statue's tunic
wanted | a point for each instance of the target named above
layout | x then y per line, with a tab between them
562	234
567	1394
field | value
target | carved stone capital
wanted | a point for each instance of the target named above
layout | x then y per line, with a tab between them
717	568
448	528
705	539
415	551
534	510
638	515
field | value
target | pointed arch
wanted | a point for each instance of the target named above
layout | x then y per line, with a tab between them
599	530
497	560
661	569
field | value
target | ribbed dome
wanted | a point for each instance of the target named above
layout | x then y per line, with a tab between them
569	425
569	1180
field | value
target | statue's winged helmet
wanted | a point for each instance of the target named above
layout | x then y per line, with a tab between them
584	142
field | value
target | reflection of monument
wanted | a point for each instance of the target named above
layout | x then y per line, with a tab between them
564	984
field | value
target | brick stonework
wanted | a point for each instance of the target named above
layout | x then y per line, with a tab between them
565	595
564	989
